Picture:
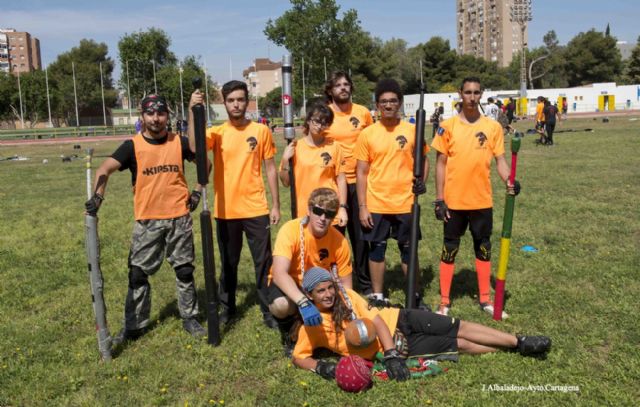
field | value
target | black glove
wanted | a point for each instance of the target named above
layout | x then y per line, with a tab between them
419	187
396	366
194	200
327	370
93	204
440	209
516	188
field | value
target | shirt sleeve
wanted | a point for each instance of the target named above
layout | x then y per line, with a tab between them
441	141
361	150
285	241
125	155
210	136
368	120
343	258
498	136
269	147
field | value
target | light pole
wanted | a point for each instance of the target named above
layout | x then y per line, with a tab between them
521	14
104	110
206	91
155	84
129	91
20	96
304	92
75	93
181	96
46	81
531	78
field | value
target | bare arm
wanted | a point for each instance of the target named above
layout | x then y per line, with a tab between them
346	281
284	281
502	167
382	330
425	171
285	162
343	215
272	180
306	363
441	168
103	173
362	173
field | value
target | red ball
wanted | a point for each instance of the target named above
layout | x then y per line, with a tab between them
353	374
360	332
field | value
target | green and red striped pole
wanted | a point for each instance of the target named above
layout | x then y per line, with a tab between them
505	241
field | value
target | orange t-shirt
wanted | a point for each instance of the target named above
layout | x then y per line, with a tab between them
345	130
315	167
325	335
329	249
469	149
389	152
238	153
540	112
161	190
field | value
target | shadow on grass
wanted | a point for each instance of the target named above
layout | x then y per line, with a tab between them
394	279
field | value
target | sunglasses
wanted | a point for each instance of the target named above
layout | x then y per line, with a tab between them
318	211
319	123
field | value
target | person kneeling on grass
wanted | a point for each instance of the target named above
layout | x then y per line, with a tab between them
428	335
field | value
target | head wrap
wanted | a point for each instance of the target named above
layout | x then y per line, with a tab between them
313	277
154	103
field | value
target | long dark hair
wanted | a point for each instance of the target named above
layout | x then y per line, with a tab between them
341	312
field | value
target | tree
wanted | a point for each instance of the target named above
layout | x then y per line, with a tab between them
8	88
34	98
438	64
592	57
312	30
632	73
140	53
86	58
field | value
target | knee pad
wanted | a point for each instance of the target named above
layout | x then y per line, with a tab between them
483	248
137	277
281	307
377	251
404	252
449	250
184	273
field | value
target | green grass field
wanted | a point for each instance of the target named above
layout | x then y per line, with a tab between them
578	206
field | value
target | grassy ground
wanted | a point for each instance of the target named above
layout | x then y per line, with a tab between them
578	207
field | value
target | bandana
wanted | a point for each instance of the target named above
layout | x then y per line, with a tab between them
154	103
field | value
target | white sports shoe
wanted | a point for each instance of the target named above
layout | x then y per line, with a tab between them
488	308
443	310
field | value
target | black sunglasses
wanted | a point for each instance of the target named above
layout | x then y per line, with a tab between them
321	211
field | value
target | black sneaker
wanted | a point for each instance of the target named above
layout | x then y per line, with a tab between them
379	303
193	327
533	345
269	321
127	335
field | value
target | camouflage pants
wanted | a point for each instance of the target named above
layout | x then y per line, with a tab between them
152	241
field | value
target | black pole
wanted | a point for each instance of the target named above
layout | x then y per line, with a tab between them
418	173
209	266
289	131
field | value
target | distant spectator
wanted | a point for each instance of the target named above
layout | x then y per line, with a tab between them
435	120
138	126
492	110
510	110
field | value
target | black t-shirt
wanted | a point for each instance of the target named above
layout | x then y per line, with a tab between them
125	154
550	113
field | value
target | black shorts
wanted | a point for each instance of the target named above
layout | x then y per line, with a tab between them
480	222
430	335
397	226
273	293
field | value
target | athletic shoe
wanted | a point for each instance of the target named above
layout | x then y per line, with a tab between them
488	308
269	321
443	309
379	303
533	345
193	327
127	335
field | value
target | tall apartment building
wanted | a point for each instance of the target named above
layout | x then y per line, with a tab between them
263	76
19	51
484	30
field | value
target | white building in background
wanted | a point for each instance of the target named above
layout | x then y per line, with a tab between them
585	99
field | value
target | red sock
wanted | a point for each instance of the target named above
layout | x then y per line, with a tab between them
446	276
483	269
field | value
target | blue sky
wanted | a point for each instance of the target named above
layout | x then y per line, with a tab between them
227	34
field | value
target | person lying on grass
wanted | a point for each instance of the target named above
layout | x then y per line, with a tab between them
427	334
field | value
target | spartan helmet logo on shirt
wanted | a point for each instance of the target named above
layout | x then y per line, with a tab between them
323	254
482	138
402	140
354	120
252	143
326	157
